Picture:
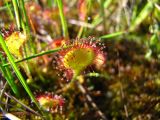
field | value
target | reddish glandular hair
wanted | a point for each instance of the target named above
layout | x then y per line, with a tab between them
6	33
82	54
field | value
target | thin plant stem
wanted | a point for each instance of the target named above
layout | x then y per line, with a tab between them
63	19
103	14
21	2
68	86
29	44
3	90
37	55
80	32
9	9
17	15
112	35
25	25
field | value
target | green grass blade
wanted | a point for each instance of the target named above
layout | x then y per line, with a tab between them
19	75
107	3
103	14
113	35
62	17
142	15
29	45
24	13
26	28
15	5
8	76
99	19
50	3
9	9
37	55
134	13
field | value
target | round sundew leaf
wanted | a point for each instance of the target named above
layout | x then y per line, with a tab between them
50	102
14	43
78	59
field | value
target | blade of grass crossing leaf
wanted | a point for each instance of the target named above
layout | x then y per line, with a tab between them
112	35
37	55
19	75
8	76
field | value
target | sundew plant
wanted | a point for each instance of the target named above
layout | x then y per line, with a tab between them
79	59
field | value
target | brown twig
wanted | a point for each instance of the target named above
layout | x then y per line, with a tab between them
31	110
82	89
